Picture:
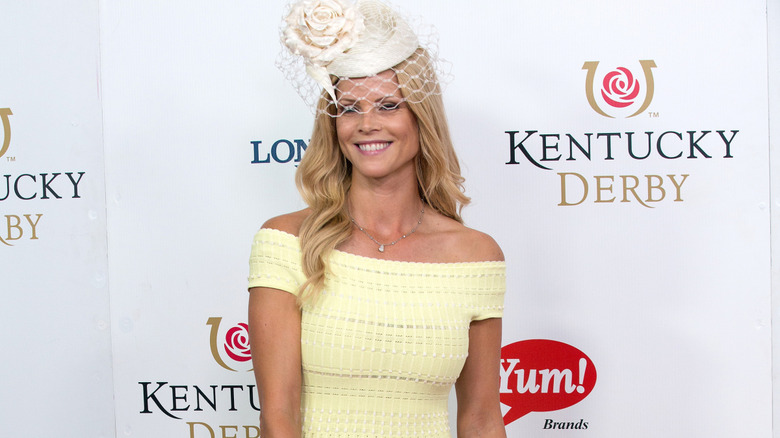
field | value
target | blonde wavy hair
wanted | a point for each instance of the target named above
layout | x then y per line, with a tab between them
324	175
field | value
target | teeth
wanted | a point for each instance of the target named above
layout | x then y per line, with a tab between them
371	147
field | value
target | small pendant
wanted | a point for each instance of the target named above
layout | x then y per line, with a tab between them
381	248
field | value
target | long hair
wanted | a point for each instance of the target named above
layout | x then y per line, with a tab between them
324	176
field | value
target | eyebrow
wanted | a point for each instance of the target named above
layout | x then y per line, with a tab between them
382	100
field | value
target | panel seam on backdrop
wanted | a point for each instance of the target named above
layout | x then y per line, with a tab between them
105	204
769	16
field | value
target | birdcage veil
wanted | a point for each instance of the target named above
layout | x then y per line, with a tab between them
331	42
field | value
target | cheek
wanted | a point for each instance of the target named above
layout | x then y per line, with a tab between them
342	135
341	130
413	132
344	127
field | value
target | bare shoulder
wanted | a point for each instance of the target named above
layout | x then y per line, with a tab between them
463	244
289	223
480	246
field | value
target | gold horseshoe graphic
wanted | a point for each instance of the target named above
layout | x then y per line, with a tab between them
590	66
647	66
214	323
4	113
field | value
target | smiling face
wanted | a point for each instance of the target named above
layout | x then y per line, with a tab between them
377	131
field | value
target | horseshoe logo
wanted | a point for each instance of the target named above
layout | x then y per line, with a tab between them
214	323
241	338
647	66
4	113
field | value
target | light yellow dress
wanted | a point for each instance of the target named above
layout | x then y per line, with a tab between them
387	340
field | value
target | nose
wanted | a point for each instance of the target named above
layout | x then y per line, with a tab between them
369	121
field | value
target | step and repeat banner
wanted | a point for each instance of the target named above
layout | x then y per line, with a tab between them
618	152
55	329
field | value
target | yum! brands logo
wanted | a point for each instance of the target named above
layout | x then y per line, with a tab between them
234	343
619	91
541	375
4	113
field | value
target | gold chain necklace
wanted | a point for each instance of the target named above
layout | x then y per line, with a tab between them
383	245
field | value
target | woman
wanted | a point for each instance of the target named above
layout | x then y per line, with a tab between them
366	307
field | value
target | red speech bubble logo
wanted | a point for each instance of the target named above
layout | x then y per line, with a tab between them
541	375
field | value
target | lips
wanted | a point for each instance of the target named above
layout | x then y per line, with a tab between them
373	146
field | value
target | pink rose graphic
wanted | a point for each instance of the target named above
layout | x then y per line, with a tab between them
237	343
620	88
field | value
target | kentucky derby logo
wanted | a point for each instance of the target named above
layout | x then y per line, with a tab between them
619	91
234	342
4	113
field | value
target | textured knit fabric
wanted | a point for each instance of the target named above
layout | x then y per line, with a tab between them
385	343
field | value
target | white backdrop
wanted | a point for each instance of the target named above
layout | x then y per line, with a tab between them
667	299
56	361
773	20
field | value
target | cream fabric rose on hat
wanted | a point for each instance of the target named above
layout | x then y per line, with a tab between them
336	40
319	30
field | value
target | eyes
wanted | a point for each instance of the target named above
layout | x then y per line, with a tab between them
347	109
389	106
351	108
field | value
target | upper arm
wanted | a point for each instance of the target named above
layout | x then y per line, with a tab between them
275	337
477	387
275	327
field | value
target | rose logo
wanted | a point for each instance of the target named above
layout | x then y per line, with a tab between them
620	88
237	343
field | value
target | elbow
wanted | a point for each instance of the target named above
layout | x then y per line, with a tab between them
280	422
481	424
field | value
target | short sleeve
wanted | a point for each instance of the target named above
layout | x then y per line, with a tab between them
275	261
491	292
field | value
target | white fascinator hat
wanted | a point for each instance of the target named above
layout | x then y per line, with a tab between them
336	40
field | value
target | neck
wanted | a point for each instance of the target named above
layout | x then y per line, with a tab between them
385	210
